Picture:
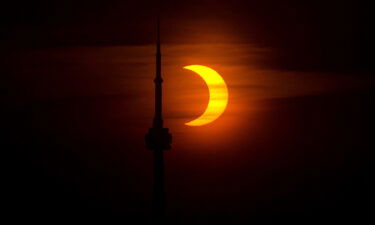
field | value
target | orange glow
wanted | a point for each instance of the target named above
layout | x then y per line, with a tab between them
218	95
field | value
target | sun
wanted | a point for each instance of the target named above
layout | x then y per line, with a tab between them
218	93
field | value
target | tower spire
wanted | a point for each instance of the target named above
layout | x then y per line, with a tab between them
158	120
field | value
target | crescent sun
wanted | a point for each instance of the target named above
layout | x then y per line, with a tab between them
218	93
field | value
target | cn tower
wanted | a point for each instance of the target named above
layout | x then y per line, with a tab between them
158	139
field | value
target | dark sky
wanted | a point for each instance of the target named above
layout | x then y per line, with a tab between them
294	145
313	35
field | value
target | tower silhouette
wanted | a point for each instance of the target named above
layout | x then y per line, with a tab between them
158	139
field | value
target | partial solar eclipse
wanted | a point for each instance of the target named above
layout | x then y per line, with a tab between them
218	91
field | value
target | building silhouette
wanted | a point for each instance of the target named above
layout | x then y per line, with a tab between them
158	139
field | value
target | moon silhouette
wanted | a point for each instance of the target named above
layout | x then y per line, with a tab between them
218	95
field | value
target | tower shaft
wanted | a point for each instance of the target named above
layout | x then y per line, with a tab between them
158	201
